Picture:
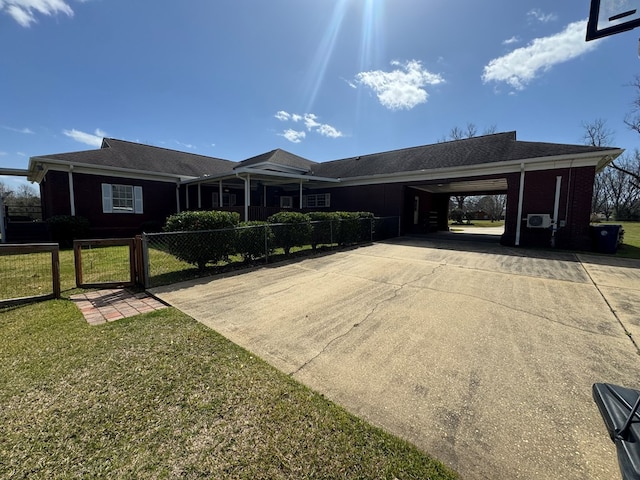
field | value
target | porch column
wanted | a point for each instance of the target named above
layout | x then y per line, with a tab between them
300	194
177	197
72	197
264	195
220	194
520	197
186	194
199	197
247	188
3	233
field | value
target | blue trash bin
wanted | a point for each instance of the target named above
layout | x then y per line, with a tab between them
606	238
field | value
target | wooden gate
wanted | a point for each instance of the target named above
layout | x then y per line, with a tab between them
108	263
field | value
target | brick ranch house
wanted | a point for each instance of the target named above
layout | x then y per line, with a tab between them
124	188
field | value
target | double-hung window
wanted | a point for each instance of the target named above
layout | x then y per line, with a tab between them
121	198
316	200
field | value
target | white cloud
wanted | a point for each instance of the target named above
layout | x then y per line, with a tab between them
540	16
524	64
24	11
95	140
2	154
293	136
311	124
329	131
186	145
18	130
510	41
402	88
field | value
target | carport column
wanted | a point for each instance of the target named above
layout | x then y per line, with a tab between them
247	196
520	197
72	197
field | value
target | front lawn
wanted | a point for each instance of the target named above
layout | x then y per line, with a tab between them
160	395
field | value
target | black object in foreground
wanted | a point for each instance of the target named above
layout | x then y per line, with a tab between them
619	409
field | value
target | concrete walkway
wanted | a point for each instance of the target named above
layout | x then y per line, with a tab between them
481	355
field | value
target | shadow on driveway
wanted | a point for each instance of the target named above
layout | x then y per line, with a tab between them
482	355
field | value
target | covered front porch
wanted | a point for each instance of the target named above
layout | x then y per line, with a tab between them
257	191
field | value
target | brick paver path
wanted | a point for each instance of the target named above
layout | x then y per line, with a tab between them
104	306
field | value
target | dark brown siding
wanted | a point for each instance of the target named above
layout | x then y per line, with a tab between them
576	188
159	201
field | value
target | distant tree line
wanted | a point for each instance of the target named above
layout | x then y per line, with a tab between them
616	191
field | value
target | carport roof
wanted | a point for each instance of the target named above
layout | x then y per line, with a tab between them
488	149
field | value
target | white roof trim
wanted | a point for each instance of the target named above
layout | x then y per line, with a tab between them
499	168
64	165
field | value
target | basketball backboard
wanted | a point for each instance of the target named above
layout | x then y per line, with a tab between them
608	17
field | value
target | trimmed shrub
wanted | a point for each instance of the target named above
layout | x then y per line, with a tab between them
67	228
295	231
325	227
252	239
354	227
209	236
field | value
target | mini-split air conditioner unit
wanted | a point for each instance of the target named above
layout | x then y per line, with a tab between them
538	220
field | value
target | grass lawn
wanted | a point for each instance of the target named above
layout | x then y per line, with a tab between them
160	395
630	248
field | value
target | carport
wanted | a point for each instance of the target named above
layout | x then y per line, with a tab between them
480	354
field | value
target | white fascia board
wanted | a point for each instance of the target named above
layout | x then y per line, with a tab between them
271	173
209	178
14	172
64	166
590	159
275	166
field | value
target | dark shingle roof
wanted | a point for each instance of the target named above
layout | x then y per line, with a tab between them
280	157
135	156
500	147
488	149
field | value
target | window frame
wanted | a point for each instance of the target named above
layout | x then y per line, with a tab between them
315	197
108	190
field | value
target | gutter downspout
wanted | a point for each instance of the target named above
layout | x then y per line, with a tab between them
520	198
72	197
556	209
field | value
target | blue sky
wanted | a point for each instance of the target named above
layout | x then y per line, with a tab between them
324	79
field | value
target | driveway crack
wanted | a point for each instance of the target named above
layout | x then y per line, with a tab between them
396	291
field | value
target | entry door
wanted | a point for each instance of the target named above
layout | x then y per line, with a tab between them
416	210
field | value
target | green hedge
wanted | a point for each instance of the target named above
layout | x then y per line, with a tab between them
353	227
324	229
254	239
217	243
65	229
295	233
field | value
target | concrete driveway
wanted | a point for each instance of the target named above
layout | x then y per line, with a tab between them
481	355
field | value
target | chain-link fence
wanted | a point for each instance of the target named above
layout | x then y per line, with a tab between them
175	256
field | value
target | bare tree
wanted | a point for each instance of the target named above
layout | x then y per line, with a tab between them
5	191
493	205
597	134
